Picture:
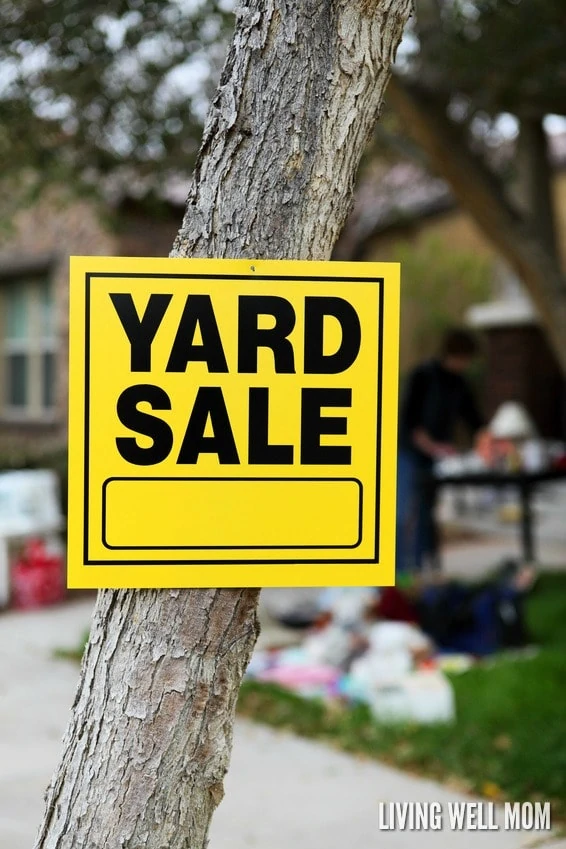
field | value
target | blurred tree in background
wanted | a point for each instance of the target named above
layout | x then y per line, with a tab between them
505	55
468	63
115	93
92	88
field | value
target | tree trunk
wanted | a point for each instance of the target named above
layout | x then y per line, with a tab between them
150	736
534	187
479	193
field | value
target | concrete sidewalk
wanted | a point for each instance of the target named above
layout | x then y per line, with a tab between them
474	558
281	791
495	540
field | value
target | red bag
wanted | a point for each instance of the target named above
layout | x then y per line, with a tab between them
37	577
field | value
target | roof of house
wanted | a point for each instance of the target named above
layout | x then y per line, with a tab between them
391	196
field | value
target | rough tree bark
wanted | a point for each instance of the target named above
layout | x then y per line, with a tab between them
149	739
475	188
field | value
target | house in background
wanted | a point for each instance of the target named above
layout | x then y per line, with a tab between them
34	288
400	205
519	362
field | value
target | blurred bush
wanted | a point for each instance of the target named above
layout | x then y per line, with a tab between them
438	285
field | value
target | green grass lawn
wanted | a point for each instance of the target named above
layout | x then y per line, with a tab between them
509	738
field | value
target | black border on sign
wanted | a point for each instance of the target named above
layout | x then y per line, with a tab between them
250	277
231	547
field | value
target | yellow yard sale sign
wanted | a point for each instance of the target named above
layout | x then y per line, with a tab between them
232	422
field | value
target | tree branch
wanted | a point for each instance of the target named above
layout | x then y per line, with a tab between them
535	182
479	193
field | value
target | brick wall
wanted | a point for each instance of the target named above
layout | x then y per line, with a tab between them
520	366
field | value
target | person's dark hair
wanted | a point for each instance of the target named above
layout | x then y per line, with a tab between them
458	342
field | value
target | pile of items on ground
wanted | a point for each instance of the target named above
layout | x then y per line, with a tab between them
390	648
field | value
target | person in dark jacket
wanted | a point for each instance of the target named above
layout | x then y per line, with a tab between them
436	397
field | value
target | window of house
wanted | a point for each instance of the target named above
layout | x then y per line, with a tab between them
28	348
